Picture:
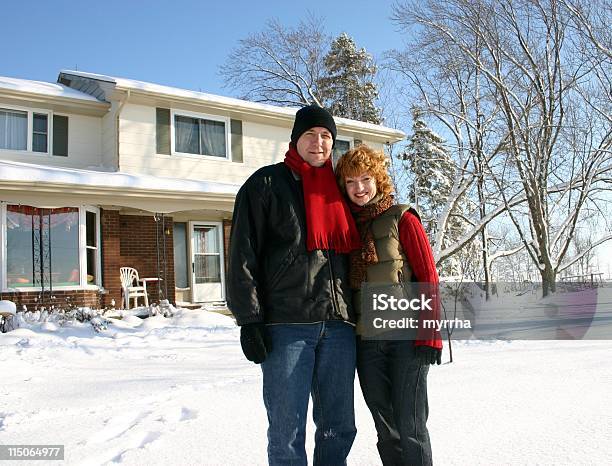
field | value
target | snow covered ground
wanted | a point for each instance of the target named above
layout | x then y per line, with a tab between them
178	391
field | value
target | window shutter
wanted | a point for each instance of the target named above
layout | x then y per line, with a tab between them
162	132
60	135
237	152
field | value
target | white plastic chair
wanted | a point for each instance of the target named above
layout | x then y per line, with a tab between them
129	275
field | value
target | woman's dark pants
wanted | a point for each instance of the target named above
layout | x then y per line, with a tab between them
394	386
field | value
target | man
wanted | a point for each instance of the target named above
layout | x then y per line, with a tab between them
288	289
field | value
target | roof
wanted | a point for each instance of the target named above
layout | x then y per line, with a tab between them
31	173
43	88
229	102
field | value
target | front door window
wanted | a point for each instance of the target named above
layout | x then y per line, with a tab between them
207	255
207	263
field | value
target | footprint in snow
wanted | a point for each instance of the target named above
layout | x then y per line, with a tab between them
137	440
117	426
136	430
176	414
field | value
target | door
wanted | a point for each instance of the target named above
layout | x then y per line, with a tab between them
207	262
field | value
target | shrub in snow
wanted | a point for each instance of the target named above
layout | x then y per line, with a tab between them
99	324
7	315
164	308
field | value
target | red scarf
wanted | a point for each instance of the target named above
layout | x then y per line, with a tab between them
329	222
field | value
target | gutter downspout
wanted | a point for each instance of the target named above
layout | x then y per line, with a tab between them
117	117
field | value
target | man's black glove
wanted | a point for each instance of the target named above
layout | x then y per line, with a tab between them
428	355
255	342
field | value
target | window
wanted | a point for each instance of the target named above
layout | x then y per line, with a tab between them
39	133
195	134
26	130
44	240
207	254
49	241
341	146
13	130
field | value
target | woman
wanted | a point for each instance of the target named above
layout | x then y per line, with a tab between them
392	373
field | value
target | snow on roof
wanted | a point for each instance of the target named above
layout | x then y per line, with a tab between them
17	171
228	101
40	87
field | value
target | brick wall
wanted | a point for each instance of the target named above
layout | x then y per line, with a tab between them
130	241
111	257
31	299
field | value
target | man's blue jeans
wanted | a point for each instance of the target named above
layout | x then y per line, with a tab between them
317	359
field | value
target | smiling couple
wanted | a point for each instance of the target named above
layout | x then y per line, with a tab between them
304	240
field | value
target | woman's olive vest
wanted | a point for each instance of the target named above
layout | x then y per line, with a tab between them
392	267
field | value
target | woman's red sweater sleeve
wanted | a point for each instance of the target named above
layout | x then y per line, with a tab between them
418	251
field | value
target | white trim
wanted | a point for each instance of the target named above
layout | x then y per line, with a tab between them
55	288
81	241
83	245
202	116
30	130
193	224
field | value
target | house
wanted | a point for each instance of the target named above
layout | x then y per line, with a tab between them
99	172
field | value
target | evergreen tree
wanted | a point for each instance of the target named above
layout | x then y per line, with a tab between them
433	169
347	87
433	173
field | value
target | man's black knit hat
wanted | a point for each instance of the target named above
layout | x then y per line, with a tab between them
309	117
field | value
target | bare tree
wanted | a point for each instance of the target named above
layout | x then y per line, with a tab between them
280	65
592	21
447	89
545	104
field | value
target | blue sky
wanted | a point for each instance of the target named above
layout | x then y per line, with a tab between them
179	43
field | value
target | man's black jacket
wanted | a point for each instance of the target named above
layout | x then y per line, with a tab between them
272	277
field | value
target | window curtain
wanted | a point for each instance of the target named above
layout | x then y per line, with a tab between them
186	139
13	130
212	134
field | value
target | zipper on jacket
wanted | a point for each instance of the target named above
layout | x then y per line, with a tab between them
333	285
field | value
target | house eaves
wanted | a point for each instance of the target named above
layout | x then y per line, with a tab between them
57	95
156	194
284	115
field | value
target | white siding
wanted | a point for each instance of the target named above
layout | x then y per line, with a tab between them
109	138
84	141
262	145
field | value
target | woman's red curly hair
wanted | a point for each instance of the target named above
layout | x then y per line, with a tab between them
363	159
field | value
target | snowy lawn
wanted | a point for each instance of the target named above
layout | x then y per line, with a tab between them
178	391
